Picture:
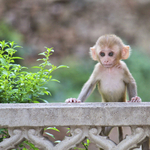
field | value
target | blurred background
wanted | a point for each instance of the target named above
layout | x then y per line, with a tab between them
71	27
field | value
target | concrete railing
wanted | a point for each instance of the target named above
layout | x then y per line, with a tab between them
26	121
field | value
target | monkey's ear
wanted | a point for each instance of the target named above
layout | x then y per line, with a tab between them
93	52
126	52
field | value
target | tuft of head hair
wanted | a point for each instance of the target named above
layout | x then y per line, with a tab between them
109	40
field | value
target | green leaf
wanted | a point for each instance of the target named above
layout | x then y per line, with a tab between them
55	80
12	61
45	101
38	59
47	92
53	128
17	58
62	66
3	61
36	102
49	64
5	72
49	49
42	54
58	141
36	67
17	46
43	59
88	142
68	132
24	67
51	135
11	43
11	50
3	130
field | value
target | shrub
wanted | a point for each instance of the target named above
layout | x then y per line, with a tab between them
17	85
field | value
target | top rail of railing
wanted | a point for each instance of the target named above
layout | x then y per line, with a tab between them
80	114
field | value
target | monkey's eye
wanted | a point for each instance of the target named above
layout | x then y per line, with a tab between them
102	54
111	54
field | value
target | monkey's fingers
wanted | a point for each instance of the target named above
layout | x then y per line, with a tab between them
135	99
72	100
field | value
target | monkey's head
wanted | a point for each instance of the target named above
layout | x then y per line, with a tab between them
109	50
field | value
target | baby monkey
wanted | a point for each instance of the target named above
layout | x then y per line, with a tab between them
110	73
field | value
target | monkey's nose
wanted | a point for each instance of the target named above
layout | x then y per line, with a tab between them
106	61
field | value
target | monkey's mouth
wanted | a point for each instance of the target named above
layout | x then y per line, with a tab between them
107	65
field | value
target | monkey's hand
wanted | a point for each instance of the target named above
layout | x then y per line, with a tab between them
135	99
72	100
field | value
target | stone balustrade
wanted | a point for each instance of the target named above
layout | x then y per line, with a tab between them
26	121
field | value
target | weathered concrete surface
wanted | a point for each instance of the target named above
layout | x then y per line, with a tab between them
62	114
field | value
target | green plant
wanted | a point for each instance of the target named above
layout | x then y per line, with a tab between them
3	134
85	144
18	85
26	143
51	135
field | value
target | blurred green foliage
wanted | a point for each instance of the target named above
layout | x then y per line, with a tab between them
9	34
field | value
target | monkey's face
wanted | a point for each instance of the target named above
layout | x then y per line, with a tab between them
109	57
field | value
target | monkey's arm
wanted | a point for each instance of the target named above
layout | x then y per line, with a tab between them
87	89
131	87
89	86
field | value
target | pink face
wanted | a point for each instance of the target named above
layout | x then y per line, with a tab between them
109	57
